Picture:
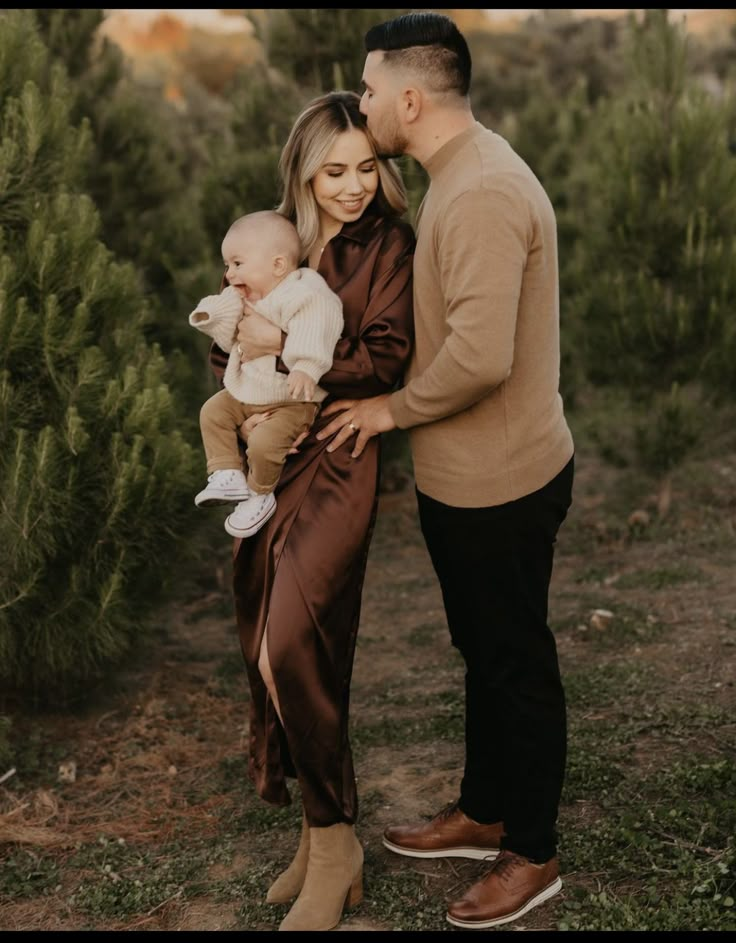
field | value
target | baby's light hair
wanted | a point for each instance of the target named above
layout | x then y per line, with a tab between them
273	230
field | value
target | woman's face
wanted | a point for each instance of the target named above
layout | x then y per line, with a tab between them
347	181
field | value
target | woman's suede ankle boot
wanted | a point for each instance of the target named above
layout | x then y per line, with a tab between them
334	879
288	884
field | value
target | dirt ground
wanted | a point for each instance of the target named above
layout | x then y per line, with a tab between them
151	774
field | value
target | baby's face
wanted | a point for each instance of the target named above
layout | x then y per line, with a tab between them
250	264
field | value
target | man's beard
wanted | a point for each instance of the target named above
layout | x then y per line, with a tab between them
395	147
390	154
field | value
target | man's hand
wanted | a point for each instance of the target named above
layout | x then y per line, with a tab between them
366	417
301	385
256	335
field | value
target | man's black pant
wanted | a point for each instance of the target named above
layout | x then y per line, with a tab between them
494	566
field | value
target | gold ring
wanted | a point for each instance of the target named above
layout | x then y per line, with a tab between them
353	426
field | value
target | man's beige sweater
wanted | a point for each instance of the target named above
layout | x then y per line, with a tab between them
481	396
305	307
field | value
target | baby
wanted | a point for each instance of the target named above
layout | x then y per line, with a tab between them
261	252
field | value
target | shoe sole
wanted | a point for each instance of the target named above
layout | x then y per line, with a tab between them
480	854
212	500
249	531
549	891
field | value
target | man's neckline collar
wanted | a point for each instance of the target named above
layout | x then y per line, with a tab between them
442	157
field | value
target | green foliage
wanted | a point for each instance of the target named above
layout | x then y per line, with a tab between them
674	826
25	875
320	50
542	63
242	175
93	468
122	880
655	270
669	430
546	133
142	174
657	277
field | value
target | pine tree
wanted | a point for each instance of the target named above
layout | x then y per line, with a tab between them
242	176
657	257
96	478
546	133
144	176
320	50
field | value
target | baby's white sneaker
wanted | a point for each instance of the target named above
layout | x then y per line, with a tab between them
224	486
250	516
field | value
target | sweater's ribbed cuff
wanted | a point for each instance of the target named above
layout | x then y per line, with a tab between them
312	368
402	415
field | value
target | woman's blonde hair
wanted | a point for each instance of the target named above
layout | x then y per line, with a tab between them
311	138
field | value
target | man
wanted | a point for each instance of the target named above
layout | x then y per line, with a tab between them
492	452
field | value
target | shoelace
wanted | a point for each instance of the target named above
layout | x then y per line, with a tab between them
506	862
448	810
229	477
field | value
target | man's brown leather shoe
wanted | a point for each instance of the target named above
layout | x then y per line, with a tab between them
511	888
450	834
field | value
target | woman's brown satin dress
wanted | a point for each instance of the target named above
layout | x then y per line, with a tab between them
302	574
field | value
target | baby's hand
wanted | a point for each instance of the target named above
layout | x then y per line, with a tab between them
301	385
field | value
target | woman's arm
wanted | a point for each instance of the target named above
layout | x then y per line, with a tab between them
373	361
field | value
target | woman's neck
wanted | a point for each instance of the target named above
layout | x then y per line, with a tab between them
328	229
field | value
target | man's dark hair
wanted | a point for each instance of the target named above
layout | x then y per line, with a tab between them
448	59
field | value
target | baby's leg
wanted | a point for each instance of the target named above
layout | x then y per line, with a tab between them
219	420
270	441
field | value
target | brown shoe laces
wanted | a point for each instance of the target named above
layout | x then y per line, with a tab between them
506	862
448	810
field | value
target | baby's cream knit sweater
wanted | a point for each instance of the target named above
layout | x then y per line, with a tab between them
303	306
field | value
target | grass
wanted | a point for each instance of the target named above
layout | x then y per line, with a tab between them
26	874
665	847
437	717
661	577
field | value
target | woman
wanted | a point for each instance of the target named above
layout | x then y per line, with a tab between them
298	582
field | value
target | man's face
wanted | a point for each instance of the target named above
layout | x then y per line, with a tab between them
379	104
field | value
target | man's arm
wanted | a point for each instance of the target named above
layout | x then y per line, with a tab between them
483	248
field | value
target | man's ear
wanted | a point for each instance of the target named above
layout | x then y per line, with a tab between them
411	104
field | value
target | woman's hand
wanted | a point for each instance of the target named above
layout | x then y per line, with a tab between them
257	336
256	419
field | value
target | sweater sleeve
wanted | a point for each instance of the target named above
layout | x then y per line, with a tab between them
482	248
218	316
313	326
373	360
